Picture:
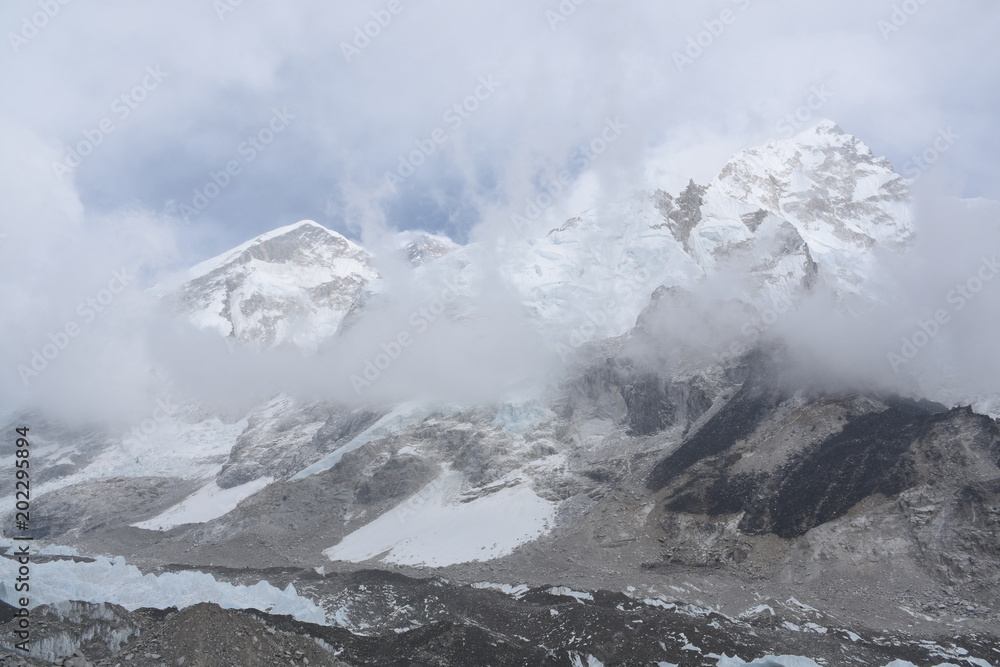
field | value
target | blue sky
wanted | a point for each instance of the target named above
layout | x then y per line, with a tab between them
894	73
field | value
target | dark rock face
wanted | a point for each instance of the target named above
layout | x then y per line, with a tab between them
654	404
83	509
871	455
86	443
649	406
7	612
782	462
734	422
271	447
398	478
683	213
340	428
753	220
644	403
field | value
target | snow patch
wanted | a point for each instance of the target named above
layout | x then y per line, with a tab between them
445	531
570	593
207	503
516	592
759	609
584	660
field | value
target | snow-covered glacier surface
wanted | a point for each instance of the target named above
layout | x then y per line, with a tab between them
114	580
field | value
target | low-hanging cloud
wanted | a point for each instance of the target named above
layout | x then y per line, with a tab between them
922	325
558	86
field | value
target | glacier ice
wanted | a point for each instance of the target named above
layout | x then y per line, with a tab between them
114	580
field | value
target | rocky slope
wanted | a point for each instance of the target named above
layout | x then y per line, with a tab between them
721	489
669	498
435	622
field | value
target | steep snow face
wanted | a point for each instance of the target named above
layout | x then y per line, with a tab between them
594	274
777	218
294	284
841	199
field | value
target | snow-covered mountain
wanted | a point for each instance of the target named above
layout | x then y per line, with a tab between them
622	496
294	284
778	218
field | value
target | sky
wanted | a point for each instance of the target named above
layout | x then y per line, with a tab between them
143	137
347	106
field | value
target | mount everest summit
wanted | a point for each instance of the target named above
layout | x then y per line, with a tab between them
678	471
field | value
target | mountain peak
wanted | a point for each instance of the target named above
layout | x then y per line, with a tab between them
827	135
842	199
825	126
420	247
292	284
302	234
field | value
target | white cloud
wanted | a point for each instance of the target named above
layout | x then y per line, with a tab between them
354	119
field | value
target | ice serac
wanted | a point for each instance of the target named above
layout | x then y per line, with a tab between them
292	285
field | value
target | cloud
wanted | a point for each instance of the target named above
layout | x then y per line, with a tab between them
560	83
922	325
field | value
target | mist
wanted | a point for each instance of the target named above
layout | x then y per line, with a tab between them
520	115
923	326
